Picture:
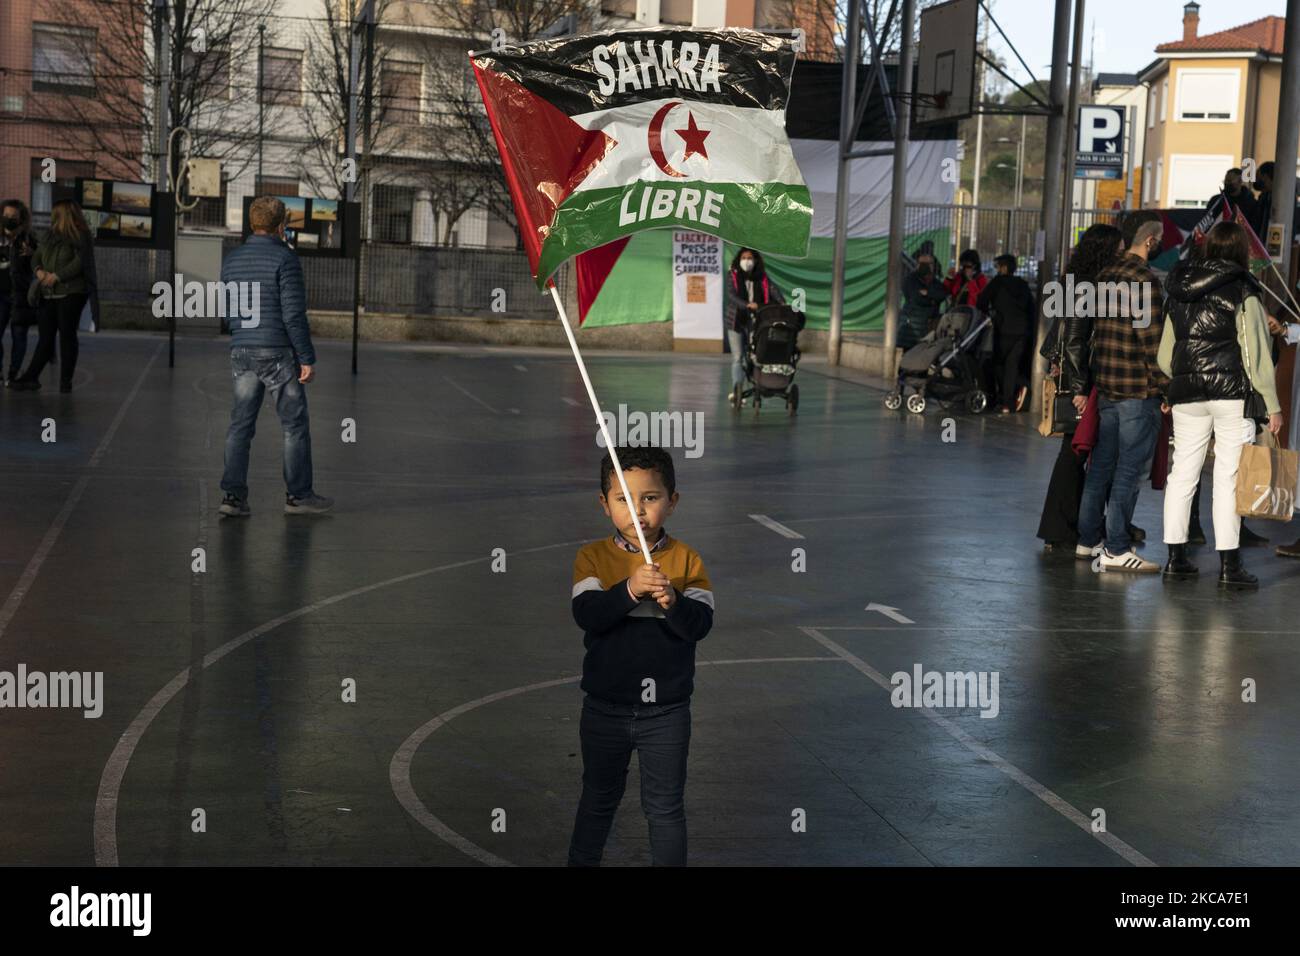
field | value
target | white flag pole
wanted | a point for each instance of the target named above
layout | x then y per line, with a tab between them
600	420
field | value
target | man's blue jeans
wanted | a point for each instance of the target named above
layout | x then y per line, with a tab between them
1126	443
254	371
17	334
661	736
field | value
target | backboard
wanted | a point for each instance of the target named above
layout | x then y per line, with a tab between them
945	83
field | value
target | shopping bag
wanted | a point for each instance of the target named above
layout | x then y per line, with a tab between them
1266	480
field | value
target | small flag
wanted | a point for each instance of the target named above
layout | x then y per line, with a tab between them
605	135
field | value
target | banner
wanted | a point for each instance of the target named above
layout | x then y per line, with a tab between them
697	286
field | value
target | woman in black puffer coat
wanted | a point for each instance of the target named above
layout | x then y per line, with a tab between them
1215	348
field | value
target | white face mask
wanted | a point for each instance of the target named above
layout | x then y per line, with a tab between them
746	265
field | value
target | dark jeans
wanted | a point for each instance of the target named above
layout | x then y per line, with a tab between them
61	317
661	735
17	333
1011	354
1126	442
254	371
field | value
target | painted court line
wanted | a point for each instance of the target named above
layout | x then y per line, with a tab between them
950	727
471	395
399	769
28	577
776	526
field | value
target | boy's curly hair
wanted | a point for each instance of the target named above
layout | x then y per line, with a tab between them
639	456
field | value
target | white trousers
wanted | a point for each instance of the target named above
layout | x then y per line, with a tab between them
1194	422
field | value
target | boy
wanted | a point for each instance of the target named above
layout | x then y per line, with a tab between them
642	622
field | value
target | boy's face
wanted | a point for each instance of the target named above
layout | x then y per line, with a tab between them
653	503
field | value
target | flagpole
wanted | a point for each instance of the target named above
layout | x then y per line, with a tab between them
600	420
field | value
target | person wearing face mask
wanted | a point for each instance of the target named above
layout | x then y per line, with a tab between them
749	288
17	244
1238	194
923	295
967	282
270	350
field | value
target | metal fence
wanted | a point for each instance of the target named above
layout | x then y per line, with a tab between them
992	230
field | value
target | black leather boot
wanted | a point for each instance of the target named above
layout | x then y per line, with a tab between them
1232	574
1178	566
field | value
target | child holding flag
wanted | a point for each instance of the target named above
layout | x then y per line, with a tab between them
641	623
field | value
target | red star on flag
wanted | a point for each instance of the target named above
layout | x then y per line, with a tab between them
694	137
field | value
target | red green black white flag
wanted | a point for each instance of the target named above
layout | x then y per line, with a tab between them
602	136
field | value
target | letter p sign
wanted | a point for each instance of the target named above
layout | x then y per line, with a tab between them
1101	130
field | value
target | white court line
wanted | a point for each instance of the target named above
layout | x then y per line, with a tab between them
522	368
571	401
399	769
469	394
949	727
28	577
776	526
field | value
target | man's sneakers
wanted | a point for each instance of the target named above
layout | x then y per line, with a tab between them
1084	553
1128	561
312	504
234	507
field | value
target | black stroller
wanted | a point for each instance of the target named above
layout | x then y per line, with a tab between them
946	364
773	354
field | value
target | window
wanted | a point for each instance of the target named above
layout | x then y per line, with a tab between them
1146	184
1208	96
45	195
773	14
210	72
392	213
63	59
1194	178
677	12
399	92
1160	172
281	77
1151	109
1164	98
619	8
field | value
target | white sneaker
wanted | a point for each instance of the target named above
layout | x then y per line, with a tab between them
1085	553
1128	561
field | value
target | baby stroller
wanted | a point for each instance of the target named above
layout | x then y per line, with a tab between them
945	364
773	354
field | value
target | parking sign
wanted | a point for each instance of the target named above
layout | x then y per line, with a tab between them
1099	147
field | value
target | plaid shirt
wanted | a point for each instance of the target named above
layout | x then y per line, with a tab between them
1124	356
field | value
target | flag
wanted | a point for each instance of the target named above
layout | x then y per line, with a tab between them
1259	257
605	135
1219	210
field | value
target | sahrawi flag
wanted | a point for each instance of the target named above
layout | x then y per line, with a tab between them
605	135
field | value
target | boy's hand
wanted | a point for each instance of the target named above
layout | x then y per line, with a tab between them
646	580
666	597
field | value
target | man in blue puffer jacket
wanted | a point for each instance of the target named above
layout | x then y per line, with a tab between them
270	349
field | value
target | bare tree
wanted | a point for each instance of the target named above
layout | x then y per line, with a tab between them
208	40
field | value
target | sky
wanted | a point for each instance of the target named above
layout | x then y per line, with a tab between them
1123	34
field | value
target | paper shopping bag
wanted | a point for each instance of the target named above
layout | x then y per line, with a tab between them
1049	405
1266	481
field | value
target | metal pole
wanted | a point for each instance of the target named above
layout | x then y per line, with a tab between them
1020	164
898	191
979	140
1288	133
1053	160
1071	117
174	67
261	97
369	119
848	90
1132	156
350	184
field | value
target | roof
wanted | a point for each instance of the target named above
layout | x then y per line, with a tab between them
1114	79
1258	36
